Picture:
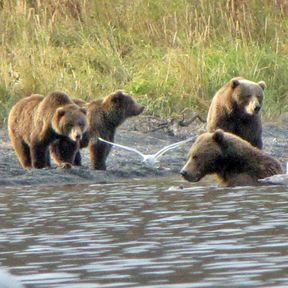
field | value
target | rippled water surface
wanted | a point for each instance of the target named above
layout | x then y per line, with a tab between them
145	233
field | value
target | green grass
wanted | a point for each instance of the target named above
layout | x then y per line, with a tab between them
169	54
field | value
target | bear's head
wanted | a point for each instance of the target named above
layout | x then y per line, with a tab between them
71	121
208	155
121	106
247	95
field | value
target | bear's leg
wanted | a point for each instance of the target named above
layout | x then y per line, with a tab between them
64	151
98	154
23	152
39	155
77	160
259	143
56	149
47	159
253	138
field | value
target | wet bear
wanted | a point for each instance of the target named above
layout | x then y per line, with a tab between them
234	160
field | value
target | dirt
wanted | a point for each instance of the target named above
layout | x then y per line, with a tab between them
148	135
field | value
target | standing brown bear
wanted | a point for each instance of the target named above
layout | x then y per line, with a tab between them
235	161
236	108
104	116
36	121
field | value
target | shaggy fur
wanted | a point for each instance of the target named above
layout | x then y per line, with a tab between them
36	122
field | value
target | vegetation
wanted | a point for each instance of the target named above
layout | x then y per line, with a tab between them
170	54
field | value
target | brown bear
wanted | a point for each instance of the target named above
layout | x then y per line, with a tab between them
36	121
234	160
236	108
104	116
65	150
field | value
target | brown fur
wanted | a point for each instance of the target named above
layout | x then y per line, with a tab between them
80	102
36	121
235	161
64	150
236	108
104	116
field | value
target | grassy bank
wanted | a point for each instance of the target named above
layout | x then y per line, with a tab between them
170	54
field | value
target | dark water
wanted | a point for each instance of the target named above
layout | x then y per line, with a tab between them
144	234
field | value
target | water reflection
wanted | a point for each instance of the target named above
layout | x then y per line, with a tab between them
147	233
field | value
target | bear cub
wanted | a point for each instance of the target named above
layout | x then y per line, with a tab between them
36	122
235	161
236	108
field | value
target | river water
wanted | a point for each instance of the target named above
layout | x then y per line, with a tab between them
145	233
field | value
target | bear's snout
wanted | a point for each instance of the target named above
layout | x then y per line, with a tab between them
78	137
75	134
253	106
257	108
141	109
138	109
184	173
188	176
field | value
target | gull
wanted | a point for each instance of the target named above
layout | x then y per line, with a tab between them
150	159
279	179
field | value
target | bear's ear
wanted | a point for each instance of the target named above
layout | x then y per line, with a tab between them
83	110
117	97
234	83
218	136
262	84
60	113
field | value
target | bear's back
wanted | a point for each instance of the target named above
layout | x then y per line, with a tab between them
20	119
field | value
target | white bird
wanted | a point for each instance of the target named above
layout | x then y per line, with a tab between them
150	159
279	179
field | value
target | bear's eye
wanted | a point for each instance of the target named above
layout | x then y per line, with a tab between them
117	99
195	157
81	125
69	126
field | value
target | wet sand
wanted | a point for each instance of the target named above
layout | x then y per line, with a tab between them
144	133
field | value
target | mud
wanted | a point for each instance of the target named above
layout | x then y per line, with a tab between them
148	135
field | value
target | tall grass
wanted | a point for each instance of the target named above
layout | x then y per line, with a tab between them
170	54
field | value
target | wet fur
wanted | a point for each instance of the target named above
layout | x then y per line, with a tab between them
235	161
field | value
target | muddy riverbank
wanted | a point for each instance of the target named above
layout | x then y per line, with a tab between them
144	133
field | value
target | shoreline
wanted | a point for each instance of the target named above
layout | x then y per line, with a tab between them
148	134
